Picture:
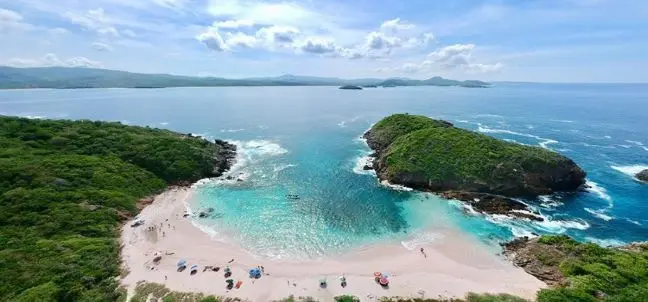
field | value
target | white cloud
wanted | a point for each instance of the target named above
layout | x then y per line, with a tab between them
265	12
380	41
11	20
318	46
94	20
411	68
278	34
395	25
51	60
101	47
213	40
452	57
233	24
240	40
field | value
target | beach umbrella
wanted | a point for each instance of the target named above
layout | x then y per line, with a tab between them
377	274
342	279
229	280
182	263
228	269
384	281
194	267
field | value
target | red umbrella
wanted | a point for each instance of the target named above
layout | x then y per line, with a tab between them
384	281
377	274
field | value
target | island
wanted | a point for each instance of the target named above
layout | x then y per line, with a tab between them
643	175
434	81
433	155
350	87
66	188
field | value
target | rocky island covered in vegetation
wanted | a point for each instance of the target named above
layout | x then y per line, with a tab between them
433	155
643	175
65	189
350	87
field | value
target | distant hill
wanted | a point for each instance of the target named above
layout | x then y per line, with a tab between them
71	78
434	81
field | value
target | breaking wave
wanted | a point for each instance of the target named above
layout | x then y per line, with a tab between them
605	242
599	214
421	239
593	187
543	141
631	170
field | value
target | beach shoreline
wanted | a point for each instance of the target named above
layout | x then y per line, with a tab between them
453	266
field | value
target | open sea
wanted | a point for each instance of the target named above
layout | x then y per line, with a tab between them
306	141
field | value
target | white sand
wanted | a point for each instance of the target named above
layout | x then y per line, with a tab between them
454	265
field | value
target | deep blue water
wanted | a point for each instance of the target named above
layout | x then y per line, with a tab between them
305	141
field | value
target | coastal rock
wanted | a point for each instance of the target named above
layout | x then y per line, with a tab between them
422	153
366	167
537	259
224	157
494	204
643	175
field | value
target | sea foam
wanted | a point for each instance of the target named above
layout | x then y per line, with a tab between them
421	239
544	142
631	170
599	214
595	188
605	242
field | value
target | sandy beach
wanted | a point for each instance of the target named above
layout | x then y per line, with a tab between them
454	265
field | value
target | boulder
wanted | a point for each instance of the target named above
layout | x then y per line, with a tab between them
643	175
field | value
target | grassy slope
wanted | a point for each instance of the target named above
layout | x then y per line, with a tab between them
64	188
453	153
430	150
596	273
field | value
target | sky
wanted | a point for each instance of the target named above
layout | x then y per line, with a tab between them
493	40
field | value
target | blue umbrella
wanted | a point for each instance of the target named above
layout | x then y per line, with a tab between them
182	263
194	267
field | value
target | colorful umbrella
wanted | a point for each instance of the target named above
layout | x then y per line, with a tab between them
182	263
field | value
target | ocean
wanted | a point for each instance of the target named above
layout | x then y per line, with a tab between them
306	141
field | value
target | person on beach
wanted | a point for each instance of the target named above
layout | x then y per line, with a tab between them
423	252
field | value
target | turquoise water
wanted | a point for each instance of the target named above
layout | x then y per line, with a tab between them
305	141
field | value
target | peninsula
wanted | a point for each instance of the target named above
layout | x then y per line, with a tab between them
66	188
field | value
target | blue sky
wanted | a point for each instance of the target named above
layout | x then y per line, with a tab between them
523	40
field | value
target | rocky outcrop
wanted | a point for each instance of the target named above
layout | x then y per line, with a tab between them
643	175
224	158
494	204
539	260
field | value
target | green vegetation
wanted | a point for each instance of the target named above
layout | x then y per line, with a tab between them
64	189
69	78
595	273
420	151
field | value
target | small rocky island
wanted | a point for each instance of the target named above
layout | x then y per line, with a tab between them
433	155
643	175
350	87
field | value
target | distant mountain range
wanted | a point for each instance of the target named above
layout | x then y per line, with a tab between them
71	78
